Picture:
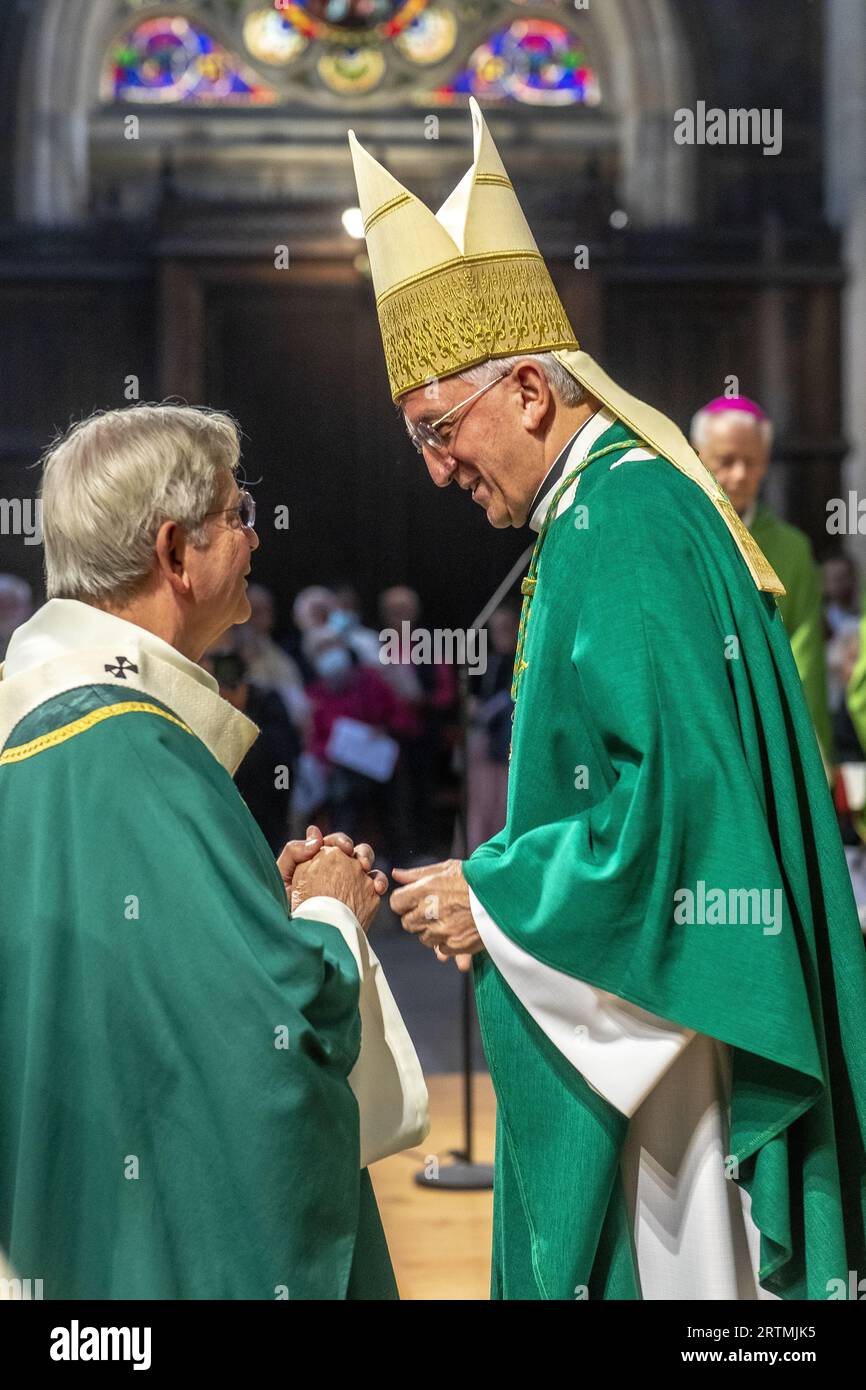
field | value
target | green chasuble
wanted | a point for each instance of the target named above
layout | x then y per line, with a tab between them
789	552
175	1116
670	839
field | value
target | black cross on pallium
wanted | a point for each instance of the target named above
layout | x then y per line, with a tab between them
121	668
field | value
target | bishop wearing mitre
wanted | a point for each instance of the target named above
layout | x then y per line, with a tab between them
668	965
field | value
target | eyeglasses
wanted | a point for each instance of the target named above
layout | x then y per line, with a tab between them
427	436
246	511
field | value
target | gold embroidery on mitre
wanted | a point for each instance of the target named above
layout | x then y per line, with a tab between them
501	179
470	309
390	206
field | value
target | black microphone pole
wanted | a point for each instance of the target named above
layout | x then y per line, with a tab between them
463	1174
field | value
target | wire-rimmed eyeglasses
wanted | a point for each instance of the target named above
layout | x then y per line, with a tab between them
246	511
425	435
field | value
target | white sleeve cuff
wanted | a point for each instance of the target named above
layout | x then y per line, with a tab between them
387	1079
622	1051
337	914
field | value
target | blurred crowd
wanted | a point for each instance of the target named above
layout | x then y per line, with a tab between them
359	734
349	740
375	747
360	745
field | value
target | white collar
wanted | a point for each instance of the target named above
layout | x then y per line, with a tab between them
65	624
577	448
749	515
68	644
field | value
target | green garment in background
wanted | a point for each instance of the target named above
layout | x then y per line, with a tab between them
855	695
655	664
790	553
155	1142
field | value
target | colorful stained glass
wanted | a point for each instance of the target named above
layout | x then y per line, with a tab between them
349	71
352	14
430	37
169	59
352	23
529	60
271	38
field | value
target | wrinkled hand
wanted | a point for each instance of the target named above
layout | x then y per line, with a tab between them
337	875
434	906
300	853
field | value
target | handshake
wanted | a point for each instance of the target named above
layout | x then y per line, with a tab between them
433	902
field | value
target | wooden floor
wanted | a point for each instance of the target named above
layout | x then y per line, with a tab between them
440	1240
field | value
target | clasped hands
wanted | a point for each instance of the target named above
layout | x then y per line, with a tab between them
433	901
332	865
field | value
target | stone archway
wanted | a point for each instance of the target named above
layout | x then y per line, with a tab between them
59	78
648	71
639	45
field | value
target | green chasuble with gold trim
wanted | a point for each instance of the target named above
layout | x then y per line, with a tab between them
670	839
175	1116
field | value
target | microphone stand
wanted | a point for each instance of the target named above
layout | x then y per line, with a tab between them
463	1174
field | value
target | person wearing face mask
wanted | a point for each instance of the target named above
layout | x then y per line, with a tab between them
344	689
345	621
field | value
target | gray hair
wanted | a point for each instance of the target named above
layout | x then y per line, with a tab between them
699	430
568	388
110	482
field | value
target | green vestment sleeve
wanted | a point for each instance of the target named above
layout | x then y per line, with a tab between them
176	1118
670	839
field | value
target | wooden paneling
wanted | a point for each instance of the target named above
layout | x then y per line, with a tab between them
674	344
66	348
298	358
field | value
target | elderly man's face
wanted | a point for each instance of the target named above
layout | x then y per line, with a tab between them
219	570
735	452
490	445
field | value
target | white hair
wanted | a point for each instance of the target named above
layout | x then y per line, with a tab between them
568	388
701	422
110	482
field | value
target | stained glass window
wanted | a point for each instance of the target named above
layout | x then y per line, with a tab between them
173	60
347	70
528	60
347	21
349	47
430	37
272	38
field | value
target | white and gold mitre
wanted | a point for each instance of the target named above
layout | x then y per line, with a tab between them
468	283
457	288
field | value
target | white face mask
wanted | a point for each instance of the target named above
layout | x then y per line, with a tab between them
333	663
340	621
